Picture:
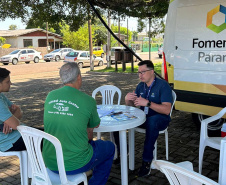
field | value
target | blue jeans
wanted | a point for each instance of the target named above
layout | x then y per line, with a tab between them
100	163
153	125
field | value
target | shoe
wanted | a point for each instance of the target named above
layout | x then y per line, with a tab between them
117	161
145	169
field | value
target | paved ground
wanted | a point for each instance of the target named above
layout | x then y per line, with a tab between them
30	92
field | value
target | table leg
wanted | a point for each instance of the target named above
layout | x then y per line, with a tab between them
131	148
123	151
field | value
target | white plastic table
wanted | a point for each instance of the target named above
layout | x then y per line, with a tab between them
110	124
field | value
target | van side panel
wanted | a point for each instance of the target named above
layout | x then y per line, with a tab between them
195	52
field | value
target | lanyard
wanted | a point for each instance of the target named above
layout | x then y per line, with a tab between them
149	89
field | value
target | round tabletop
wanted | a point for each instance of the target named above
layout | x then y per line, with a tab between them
128	117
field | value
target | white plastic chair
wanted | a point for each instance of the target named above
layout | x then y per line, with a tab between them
40	174
22	155
179	175
222	166
214	142
107	92
142	130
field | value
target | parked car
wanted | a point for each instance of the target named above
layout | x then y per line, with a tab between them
57	54
21	55
120	48
160	50
98	51
82	58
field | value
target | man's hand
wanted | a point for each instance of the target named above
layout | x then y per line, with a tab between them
6	129
141	102
130	98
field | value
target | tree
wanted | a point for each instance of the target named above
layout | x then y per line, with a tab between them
75	12
78	40
2	41
13	27
123	31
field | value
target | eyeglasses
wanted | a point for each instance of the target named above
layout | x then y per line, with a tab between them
142	72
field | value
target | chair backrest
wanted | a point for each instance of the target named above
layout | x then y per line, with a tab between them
205	122
32	138
174	99
222	163
178	175
108	92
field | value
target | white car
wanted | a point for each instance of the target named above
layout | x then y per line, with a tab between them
82	58
21	55
57	54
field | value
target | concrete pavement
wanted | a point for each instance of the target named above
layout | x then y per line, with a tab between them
30	94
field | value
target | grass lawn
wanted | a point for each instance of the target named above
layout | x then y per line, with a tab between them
158	67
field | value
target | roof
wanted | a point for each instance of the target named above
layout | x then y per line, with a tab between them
16	33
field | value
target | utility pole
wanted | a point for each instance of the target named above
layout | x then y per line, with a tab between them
47	40
119	31
109	41
90	45
127	33
149	38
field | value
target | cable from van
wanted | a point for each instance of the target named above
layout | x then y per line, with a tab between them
106	26
165	67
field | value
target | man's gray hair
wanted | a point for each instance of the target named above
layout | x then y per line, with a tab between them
69	72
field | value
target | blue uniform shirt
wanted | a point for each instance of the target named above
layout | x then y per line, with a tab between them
160	91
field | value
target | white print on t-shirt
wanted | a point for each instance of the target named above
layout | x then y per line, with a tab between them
62	106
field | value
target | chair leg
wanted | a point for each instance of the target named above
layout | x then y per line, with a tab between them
167	145
23	167
201	153
112	139
155	151
98	135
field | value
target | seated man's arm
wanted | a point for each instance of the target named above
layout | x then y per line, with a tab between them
16	111
163	108
90	132
12	122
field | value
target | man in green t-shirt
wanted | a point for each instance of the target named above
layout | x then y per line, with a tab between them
71	115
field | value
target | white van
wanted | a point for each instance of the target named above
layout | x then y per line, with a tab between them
194	56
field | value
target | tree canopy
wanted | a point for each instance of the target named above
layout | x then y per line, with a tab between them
76	12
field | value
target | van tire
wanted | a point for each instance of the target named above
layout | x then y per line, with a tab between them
214	130
14	61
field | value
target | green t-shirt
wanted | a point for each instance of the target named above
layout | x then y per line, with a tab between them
68	113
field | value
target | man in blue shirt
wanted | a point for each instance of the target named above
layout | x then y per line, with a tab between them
154	97
10	115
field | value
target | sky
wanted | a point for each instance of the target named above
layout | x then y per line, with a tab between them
4	25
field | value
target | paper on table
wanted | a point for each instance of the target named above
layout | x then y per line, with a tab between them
102	112
123	116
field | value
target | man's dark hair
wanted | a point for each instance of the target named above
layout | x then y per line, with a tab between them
149	64
4	73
